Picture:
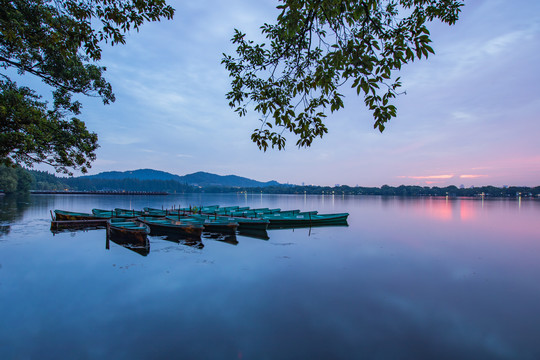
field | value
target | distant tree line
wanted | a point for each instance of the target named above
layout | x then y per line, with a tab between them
86	184
404	190
17	179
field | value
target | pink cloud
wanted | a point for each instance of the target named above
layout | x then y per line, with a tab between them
471	176
429	177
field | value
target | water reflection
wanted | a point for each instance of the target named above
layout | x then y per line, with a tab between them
139	248
257	234
183	240
290	226
435	278
226	238
12	208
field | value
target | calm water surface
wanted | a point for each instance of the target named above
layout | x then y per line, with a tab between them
426	278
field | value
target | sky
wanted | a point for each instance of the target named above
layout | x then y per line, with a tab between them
470	115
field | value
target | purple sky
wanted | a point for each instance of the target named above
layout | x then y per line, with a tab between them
470	115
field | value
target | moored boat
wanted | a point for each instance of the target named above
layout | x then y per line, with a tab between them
101	212
246	223
71	215
127	213
131	231
306	219
168	226
216	225
155	212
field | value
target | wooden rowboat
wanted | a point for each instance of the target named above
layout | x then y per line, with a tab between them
101	212
127	213
306	219
244	223
223	226
155	212
166	226
70	215
128	231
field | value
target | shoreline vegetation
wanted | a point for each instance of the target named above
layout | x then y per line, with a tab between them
385	190
41	182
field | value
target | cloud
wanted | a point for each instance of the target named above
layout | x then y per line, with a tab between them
470	110
116	139
472	176
464	116
503	43
431	177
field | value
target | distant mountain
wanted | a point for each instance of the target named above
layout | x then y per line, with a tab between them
199	178
142	174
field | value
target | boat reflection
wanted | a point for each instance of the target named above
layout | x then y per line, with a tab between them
141	248
307	226
257	234
192	241
76	225
226	238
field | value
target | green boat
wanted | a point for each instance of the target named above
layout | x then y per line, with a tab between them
101	212
62	215
227	210
256	212
155	212
193	210
131	235
306	219
128	231
247	223
223	226
127	213
244	223
167	226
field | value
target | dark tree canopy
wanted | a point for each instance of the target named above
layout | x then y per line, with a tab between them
59	41
14	179
315	47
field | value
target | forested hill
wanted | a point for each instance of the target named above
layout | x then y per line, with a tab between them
196	179
18	179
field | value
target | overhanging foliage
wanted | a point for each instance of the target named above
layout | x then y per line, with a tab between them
317	46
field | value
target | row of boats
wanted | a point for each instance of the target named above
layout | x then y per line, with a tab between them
134	225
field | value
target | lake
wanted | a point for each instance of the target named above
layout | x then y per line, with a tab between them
409	278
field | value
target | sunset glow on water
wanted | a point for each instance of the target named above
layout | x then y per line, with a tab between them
409	278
